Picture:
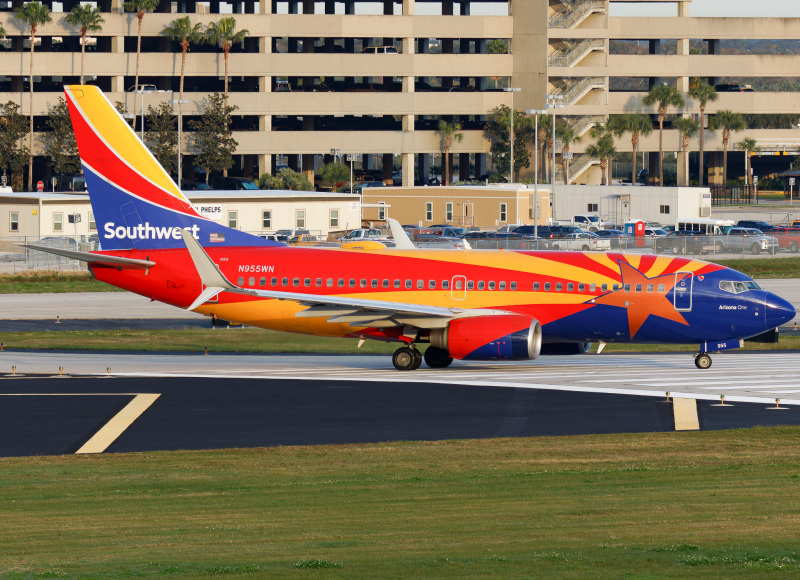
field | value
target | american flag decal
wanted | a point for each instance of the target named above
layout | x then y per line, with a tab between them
216	237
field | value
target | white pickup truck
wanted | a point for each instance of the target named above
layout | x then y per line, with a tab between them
365	234
585	242
588	222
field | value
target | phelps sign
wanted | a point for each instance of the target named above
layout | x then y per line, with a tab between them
212	212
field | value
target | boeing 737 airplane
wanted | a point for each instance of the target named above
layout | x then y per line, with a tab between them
465	304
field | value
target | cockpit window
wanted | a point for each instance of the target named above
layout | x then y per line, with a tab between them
738	287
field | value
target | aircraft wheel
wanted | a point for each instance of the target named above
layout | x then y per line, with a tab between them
755	249
437	358
702	361
793	247
417	359
404	359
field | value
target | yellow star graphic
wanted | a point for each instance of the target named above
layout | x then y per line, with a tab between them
642	304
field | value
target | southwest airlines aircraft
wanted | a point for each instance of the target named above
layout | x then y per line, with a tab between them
465	304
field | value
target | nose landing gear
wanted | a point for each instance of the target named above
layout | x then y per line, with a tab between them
702	361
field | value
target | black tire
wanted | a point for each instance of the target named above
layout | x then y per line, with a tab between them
403	359
437	358
555	246
793	247
584	248
755	249
702	361
719	247
676	249
417	359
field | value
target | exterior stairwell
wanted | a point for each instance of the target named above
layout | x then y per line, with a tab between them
574	13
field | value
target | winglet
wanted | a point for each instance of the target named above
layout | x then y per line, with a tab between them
401	239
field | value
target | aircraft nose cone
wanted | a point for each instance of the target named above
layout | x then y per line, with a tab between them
778	311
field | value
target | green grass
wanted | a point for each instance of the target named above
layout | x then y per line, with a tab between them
765	267
717	504
52	281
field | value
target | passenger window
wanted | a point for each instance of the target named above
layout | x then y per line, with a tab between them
638	287
386	283
273	282
570	286
363	282
251	282
535	284
627	287
481	285
491	285
661	288
513	284
581	286
307	282
459	284
592	287
446	285
604	288
547	286
420	284
263	281
409	284
351	282
432	283
329	282
374	283
296	282
649	287
318	282
503	284
558	286
397	283
616	287
240	281
340	283
284	281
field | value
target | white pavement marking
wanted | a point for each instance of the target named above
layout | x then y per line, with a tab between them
118	423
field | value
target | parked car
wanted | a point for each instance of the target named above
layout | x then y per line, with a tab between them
450	231
684	242
583	241
788	238
751	240
477	235
232	183
765	227
306	239
285	234
445	244
563	231
541	231
193	185
64	182
365	234
618	238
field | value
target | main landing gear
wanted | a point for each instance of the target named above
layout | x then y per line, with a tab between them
408	358
702	360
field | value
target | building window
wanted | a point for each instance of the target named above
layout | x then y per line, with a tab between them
428	211
92	223
503	212
233	219
663	209
448	211
14	227
58	222
591	207
300	218
266	219
381	211
334	218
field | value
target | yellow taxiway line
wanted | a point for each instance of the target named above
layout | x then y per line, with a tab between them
685	412
117	425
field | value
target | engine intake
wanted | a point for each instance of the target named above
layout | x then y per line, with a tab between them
492	337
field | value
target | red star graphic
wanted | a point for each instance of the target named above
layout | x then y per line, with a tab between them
642	304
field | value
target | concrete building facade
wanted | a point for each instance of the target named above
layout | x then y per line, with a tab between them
314	79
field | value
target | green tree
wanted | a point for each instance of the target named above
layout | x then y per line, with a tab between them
213	138
498	132
2	31
687	128
613	128
140	7
664	97
13	155
337	175
545	129
87	19
33	14
162	138
225	35
285	179
448	132
750	147
567	136
703	93
638	125
59	142
603	150
497	46
726	121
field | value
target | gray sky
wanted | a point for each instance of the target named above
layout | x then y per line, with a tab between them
765	8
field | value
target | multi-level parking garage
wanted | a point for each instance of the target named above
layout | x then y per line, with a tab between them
304	84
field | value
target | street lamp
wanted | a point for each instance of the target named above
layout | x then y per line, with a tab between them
553	102
142	92
180	103
536	113
512	90
335	153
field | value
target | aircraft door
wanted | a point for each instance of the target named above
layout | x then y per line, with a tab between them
682	292
458	288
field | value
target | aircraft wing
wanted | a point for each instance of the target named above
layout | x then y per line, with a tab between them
93	258
356	311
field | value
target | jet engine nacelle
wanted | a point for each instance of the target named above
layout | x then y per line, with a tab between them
566	348
493	337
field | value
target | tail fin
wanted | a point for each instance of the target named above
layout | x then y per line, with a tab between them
135	202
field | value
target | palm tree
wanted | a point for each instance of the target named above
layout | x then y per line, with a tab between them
613	128
544	133
568	136
638	125
449	130
88	19
749	146
687	127
34	14
2	31
225	35
664	96
727	121
140	7
703	93
181	31
603	150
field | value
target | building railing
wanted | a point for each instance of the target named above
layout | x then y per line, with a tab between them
575	91
575	53
733	195
577	166
574	13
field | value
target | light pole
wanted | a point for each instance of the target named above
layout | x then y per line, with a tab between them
536	113
180	103
142	92
512	90
553	102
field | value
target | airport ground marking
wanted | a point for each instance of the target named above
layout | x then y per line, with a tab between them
685	413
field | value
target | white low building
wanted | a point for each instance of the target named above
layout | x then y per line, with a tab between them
41	215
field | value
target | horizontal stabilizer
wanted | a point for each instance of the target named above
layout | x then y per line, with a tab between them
95	258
